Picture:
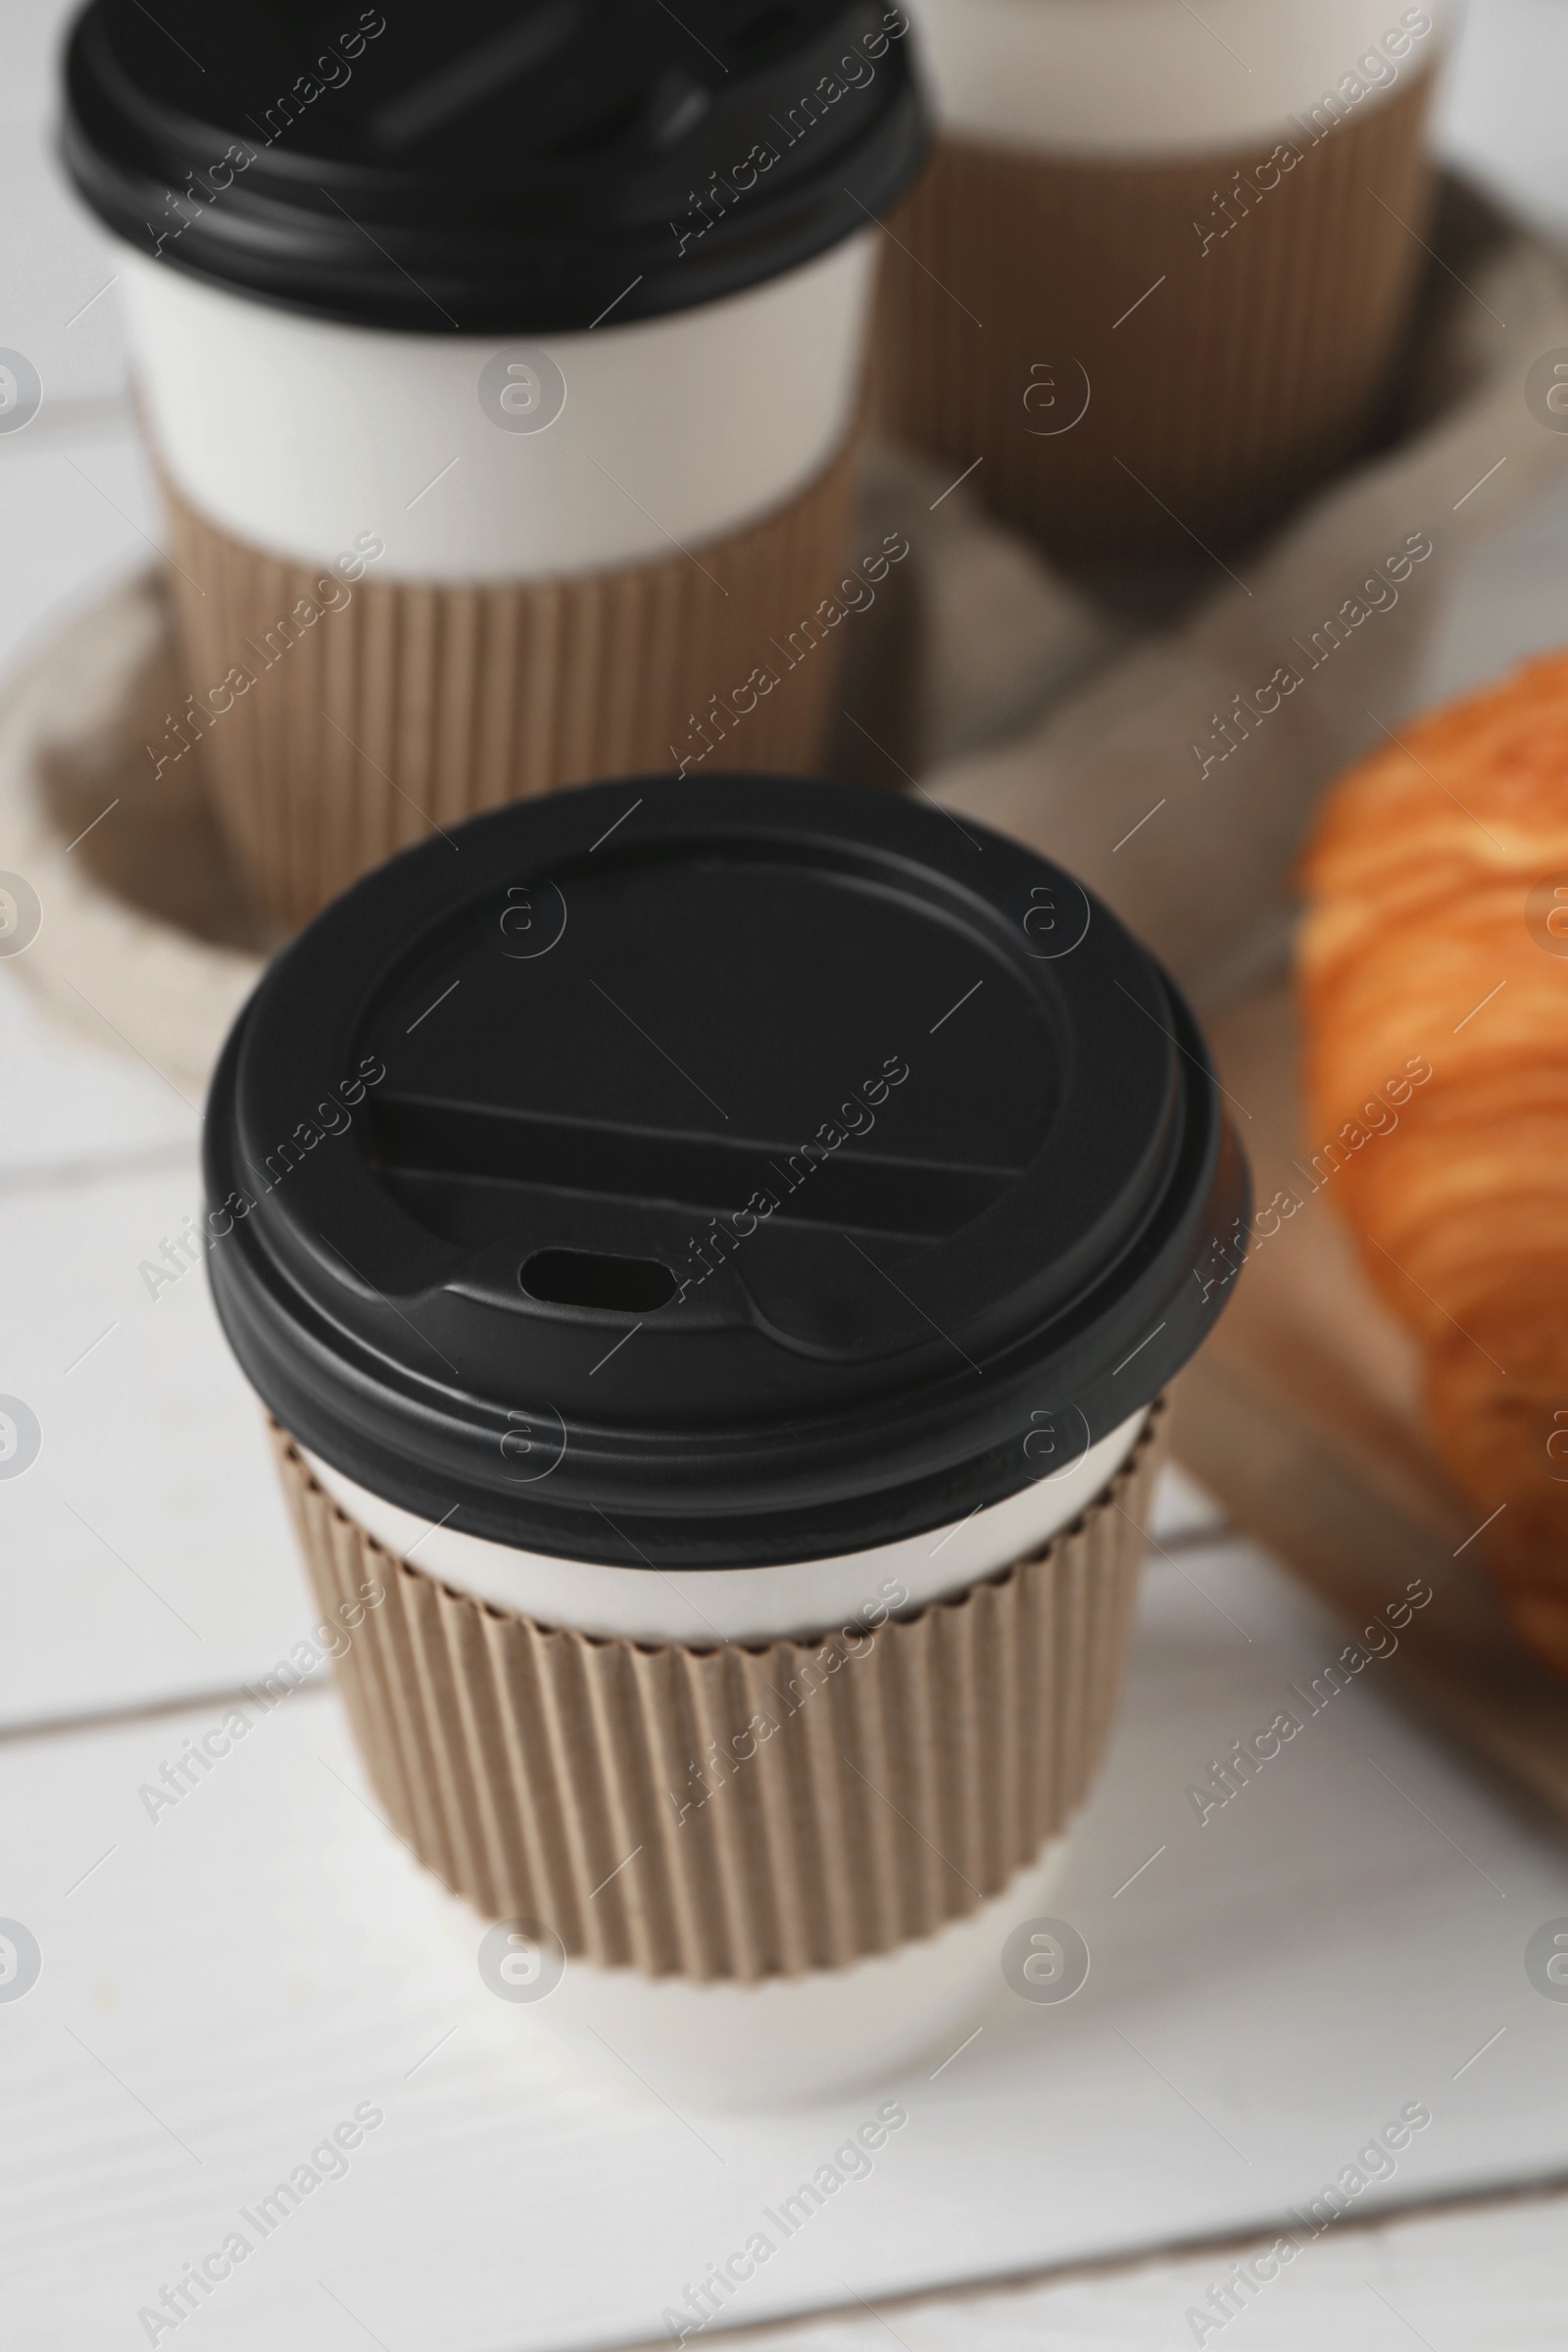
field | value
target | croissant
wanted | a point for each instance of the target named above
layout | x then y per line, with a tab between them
1433	978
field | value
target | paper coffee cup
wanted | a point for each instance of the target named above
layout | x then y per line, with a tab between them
710	1254
1159	272
1054	1605
512	435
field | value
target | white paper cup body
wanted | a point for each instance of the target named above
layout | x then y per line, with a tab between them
787	2041
800	1600
793	2041
577	453
1154	77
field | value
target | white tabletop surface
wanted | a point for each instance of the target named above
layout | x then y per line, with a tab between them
1354	1943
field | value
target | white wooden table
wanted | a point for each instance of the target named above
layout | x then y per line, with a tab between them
218	1981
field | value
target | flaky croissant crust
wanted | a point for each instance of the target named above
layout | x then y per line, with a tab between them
1436	939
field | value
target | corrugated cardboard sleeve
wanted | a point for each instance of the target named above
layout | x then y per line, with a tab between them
402	706
911	1771
1224	381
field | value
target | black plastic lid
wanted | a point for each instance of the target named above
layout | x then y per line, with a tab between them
708	1173
487	166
